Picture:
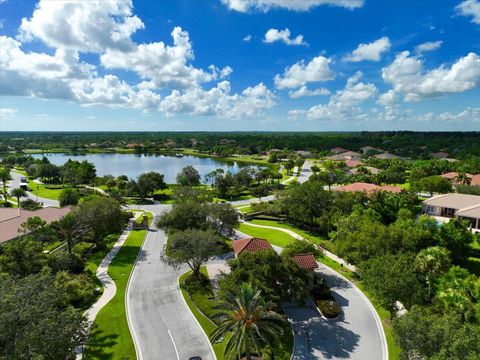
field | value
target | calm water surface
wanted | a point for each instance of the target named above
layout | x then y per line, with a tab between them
133	165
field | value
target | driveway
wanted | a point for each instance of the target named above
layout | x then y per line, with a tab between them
162	325
15	183
356	335
306	172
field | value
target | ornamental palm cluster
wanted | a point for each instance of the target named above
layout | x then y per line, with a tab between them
248	320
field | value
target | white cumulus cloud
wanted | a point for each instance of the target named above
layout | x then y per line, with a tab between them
470	8
87	26
304	91
428	46
295	5
165	66
369	52
343	105
407	76
273	35
219	101
300	74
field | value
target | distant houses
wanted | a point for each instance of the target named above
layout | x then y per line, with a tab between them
368	188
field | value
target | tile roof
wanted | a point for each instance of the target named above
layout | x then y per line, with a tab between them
251	245
353	163
368	188
305	261
11	219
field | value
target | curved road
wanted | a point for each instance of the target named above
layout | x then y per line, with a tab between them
162	325
15	183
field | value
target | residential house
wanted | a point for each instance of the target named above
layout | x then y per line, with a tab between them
250	245
306	261
338	150
447	206
440	155
386	156
353	163
368	188
12	219
304	153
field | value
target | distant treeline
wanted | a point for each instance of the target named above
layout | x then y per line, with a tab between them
403	143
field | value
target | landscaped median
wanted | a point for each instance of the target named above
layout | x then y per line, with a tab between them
110	337
200	300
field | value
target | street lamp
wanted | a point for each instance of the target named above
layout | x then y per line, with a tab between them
37	193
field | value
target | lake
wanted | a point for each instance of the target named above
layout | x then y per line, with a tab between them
133	165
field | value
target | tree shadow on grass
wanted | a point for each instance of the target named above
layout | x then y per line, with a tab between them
100	345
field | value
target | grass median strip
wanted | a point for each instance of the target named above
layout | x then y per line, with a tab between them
111	339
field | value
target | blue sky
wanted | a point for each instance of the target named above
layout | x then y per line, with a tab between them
315	65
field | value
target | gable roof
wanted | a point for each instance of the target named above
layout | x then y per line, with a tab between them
353	163
338	150
305	261
251	245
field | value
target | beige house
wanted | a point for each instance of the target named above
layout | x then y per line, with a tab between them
447	206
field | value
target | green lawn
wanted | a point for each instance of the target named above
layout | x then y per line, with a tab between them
274	237
111	339
245	209
44	190
316	239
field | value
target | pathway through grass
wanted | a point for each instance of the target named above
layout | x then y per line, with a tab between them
111	339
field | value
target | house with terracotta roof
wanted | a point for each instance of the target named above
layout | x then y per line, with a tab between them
368	188
12	219
338	150
446	206
353	163
452	176
305	261
250	245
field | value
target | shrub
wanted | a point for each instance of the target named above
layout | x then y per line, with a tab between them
5	204
61	261
30	204
329	308
68	196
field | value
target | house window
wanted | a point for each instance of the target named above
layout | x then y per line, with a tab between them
448	212
430	210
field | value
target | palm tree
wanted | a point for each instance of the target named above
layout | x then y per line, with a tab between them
463	178
18	193
69	228
432	262
4	177
250	321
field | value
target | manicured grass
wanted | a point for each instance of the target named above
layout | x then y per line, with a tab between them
274	237
111	339
316	239
43	191
246	209
207	325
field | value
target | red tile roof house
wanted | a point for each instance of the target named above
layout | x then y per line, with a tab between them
353	163
250	245
368	188
452	176
12	219
305	261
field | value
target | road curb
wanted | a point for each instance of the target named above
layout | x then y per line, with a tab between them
196	320
127	311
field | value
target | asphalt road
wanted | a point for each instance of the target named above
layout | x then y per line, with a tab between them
162	325
15	183
306	172
356	335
